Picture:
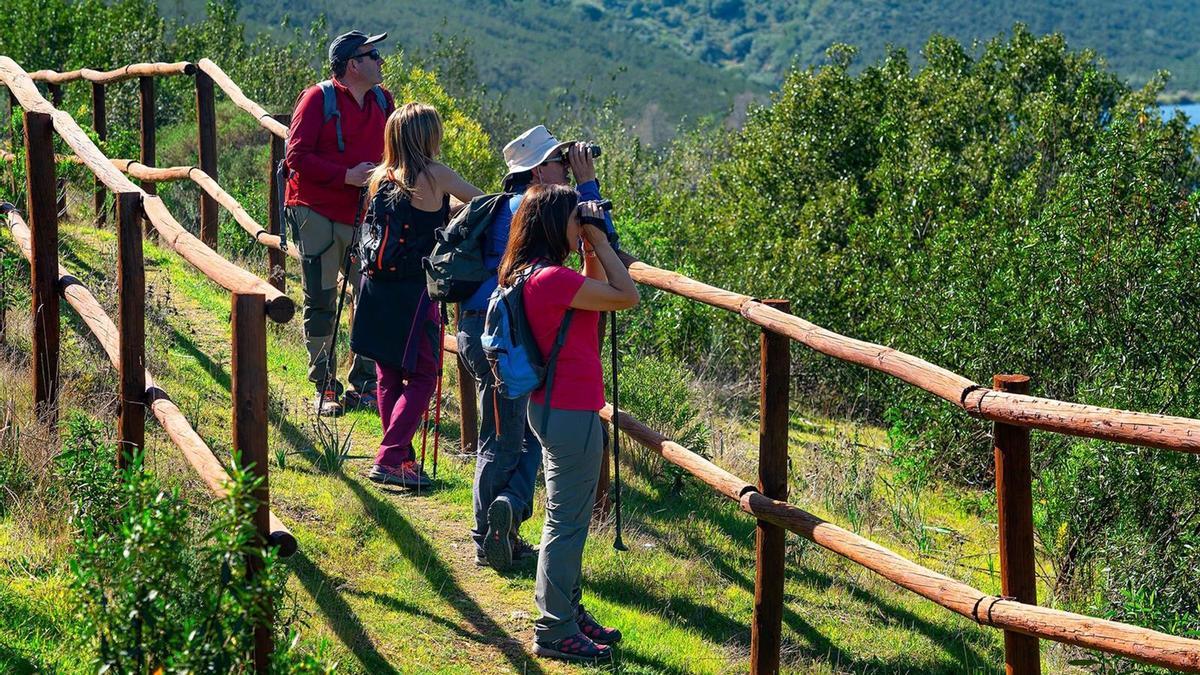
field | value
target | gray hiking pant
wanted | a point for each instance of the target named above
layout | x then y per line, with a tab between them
572	450
323	246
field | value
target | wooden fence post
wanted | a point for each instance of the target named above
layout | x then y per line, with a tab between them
100	124
146	107
276	260
206	121
15	138
131	297
1014	501
3	291
43	224
468	414
249	393
60	184
765	633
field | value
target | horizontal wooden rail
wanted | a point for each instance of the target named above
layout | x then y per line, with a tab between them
194	449
280	307
1134	642
1075	419
1142	644
117	75
240	99
214	190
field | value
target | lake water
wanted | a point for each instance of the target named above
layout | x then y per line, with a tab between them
1192	110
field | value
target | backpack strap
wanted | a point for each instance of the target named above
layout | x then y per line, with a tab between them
330	109
552	362
380	99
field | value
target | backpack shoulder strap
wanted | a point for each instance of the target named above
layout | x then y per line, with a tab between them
330	109
380	99
552	363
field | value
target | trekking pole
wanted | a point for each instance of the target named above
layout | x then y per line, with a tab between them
437	416
616	435
331	373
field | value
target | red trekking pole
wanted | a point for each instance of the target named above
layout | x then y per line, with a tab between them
437	416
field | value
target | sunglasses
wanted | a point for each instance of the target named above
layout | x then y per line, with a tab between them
373	54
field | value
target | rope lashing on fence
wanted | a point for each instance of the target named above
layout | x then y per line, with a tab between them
280	307
117	75
214	190
194	449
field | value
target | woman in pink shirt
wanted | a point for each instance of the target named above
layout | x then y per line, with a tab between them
545	230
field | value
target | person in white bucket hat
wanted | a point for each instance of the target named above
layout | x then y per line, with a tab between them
508	454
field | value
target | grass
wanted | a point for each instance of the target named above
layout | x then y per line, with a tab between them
385	580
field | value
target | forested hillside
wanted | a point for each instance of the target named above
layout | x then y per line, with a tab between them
686	58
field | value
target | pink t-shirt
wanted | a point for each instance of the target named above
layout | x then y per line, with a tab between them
578	377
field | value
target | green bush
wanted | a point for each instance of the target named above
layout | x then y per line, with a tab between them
155	588
1016	210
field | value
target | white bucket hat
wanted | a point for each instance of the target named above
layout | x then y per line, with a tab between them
530	149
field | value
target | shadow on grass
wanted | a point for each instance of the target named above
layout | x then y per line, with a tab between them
215	370
413	546
658	513
11	661
342	618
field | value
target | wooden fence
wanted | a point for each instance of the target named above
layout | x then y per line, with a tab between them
1006	403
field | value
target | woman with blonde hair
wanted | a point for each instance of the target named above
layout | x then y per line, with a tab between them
395	322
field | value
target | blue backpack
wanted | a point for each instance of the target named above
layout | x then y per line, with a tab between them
517	363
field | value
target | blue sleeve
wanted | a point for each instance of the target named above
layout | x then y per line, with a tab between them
590	192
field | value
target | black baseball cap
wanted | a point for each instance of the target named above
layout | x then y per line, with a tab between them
344	45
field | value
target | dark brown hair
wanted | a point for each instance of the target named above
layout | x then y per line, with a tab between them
539	230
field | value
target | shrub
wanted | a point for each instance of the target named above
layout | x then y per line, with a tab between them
1018	209
154	590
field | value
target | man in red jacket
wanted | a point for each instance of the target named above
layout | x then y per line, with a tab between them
335	140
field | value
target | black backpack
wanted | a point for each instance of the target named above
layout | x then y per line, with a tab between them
387	249
456	269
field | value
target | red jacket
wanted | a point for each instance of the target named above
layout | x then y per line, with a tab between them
318	170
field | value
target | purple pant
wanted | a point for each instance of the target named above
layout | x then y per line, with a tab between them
403	398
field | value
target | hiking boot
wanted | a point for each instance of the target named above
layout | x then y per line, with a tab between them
327	404
592	628
497	547
407	475
359	401
522	550
577	647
